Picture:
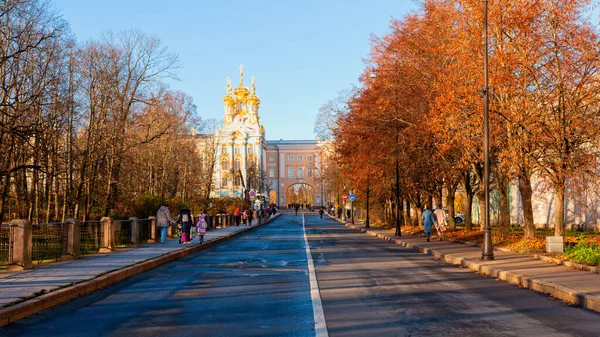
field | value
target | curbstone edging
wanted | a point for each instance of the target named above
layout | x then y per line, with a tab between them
587	301
40	303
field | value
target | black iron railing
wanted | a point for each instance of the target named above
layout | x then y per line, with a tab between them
145	229
4	245
90	236
123	230
48	241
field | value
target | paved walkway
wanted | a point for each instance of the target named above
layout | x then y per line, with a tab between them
525	270
15	287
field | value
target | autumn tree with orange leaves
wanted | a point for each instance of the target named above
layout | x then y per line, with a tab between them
422	112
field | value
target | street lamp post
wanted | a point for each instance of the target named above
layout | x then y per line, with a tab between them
487	252
352	206
367	224
398	231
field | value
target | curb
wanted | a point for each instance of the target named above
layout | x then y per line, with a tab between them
557	291
37	304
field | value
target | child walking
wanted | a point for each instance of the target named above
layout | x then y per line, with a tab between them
201	228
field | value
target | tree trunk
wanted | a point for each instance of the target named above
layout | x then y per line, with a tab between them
407	210
526	194
468	201
504	216
450	205
481	202
559	214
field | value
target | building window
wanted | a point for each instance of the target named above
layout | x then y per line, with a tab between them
224	164
238	180
224	149
236	166
238	150
299	158
250	148
250	163
271	159
309	158
300	172
224	181
290	158
271	173
309	172
290	172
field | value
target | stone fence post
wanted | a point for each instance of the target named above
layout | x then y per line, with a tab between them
20	243
108	239
72	231
152	238
135	231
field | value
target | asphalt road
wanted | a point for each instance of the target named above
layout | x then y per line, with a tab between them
253	285
257	285
370	287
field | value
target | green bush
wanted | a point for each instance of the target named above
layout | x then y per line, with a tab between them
146	205
584	252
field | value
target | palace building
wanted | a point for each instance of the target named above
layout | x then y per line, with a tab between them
248	165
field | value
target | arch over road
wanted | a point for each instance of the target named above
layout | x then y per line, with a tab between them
301	193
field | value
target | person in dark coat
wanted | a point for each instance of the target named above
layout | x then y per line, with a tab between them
428	220
186	221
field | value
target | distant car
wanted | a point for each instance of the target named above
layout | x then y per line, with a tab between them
458	217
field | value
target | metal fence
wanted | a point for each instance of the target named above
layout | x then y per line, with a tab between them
4	245
123	230
48	240
145	229
90	237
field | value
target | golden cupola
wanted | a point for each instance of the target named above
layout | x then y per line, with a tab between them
228	99
241	92
253	100
229	103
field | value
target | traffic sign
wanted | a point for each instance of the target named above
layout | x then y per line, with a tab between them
352	197
345	196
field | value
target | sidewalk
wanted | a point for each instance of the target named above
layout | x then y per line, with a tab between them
577	287
23	293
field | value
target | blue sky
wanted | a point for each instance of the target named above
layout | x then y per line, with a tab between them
302	53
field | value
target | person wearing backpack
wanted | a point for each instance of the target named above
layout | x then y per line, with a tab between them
185	219
201	228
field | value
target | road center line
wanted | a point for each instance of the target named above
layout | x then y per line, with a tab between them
315	294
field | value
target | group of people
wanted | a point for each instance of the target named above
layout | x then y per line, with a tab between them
243	216
299	206
435	218
164	219
185	220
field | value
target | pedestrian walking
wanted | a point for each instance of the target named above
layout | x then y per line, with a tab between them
245	217
163	221
237	215
321	213
250	216
185	219
440	222
201	228
428	221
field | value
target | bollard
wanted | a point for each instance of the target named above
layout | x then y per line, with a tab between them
108	239
153	230
72	231
20	243
135	231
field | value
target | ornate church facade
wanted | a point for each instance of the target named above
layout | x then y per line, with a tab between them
249	166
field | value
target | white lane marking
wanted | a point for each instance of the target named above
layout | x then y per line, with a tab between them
315	294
